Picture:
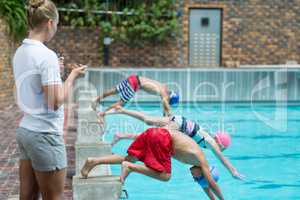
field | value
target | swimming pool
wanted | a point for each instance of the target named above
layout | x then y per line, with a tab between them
264	148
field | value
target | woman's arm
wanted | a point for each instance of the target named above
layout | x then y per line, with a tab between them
56	94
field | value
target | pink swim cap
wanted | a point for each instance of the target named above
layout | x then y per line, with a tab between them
223	138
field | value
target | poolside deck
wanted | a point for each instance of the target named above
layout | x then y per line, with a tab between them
9	179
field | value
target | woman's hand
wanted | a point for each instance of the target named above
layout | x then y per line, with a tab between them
78	69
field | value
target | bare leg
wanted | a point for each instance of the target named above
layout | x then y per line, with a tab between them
51	184
29	189
102	114
128	167
113	107
149	120
117	137
91	162
99	98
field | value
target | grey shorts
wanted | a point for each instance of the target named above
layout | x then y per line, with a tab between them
46	151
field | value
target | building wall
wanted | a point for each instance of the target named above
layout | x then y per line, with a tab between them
254	32
79	45
84	45
6	72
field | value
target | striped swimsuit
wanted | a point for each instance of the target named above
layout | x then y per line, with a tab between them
189	128
128	87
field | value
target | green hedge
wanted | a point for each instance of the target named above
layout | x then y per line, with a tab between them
134	22
14	14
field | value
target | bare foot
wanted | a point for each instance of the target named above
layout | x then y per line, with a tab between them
111	111
88	166
118	108
116	139
115	110
94	105
125	171
101	118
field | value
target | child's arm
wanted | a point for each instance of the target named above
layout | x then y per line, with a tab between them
206	173
166	106
216	150
129	136
209	193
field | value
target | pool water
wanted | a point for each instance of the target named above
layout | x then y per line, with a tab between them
265	148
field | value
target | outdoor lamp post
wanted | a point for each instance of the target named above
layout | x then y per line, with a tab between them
106	41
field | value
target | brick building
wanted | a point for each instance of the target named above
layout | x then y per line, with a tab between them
214	33
250	32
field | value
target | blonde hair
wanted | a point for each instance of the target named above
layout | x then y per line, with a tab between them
40	11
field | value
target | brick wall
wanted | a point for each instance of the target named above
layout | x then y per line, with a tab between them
80	45
253	32
84	45
6	73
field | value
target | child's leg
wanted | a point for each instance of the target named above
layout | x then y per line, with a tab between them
129	136
102	114
128	167
115	106
91	162
108	93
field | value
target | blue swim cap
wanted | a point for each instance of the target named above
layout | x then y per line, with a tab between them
174	98
203	182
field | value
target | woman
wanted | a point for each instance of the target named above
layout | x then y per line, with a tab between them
41	95
154	148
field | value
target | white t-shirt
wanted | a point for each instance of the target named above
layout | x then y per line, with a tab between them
35	66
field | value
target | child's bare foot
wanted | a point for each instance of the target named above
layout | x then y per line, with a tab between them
101	118
94	105
118	108
116	139
88	166
125	171
115	110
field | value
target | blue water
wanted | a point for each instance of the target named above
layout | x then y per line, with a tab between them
265	148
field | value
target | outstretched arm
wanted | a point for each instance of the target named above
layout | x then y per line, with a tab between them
209	193
166	106
227	163
206	173
216	150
